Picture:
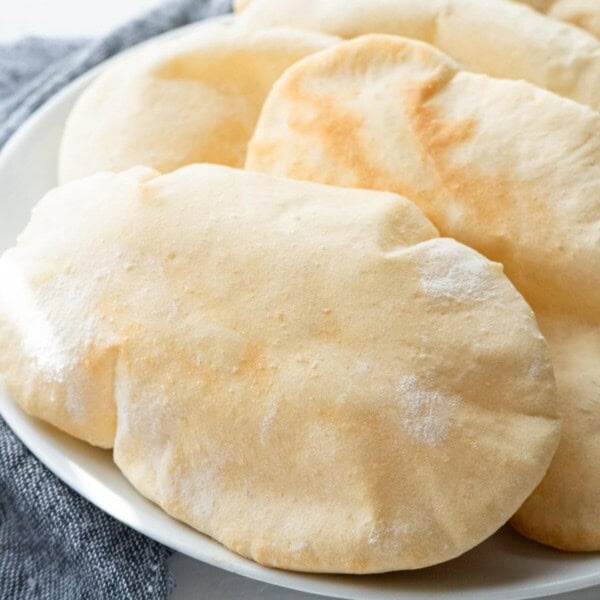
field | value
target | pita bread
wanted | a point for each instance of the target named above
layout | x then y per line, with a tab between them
57	357
495	37
307	374
582	13
176	102
480	156
548	515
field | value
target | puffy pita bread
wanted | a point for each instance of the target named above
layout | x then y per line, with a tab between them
175	102
479	155
307	374
496	37
503	166
582	13
548	515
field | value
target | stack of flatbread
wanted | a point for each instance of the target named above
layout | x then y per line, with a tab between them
326	278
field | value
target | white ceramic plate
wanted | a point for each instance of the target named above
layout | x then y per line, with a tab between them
506	567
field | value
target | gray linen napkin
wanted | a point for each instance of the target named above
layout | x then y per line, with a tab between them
53	543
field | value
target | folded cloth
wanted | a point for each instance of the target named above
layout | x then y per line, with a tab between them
53	543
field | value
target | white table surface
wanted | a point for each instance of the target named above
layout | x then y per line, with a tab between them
83	18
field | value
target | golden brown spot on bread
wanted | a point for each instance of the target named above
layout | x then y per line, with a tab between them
439	135
253	359
338	131
486	197
255	367
494	206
